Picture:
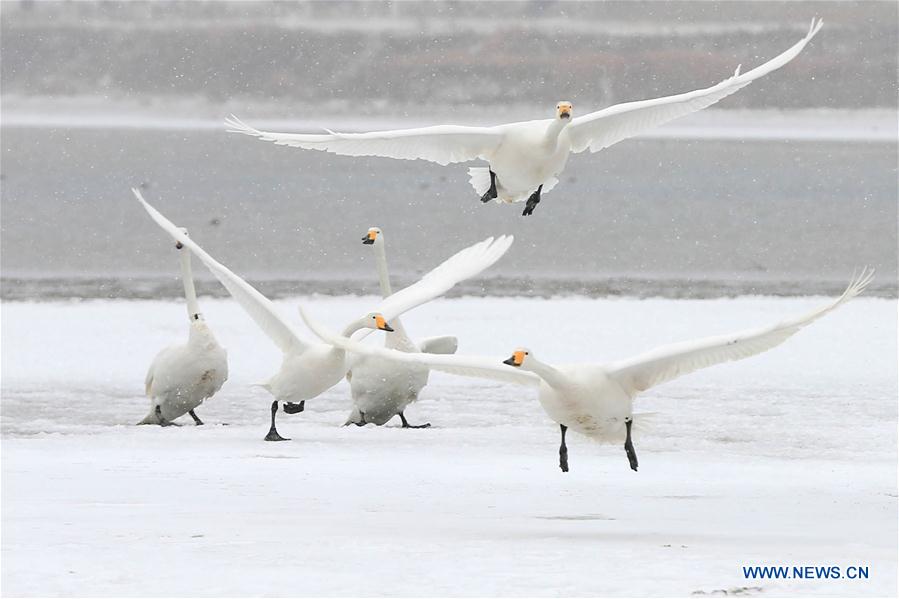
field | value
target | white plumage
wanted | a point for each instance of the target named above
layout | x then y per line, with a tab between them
182	376
309	369
382	389
597	399
526	155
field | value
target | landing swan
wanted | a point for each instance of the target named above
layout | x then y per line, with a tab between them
597	400
309	370
524	159
182	376
382	388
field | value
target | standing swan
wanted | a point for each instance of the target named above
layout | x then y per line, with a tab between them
182	376
382	388
597	400
525	159
309	370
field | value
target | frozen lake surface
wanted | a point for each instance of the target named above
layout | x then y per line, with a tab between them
705	214
788	458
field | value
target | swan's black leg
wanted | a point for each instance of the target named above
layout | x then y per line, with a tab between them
294	408
407	425
196	418
532	202
162	421
629	445
273	432
491	193
563	450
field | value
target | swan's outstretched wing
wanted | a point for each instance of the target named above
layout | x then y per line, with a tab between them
601	129
669	362
463	265
259	307
439	345
472	366
442	144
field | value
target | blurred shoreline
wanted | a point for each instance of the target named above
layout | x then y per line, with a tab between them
196	114
48	288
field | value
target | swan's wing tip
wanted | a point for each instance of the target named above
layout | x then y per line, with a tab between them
815	27
140	197
235	125
858	283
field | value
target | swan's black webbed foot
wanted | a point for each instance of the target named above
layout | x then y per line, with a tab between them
563	450
274	436
532	202
196	418
491	193
407	425
629	446
294	408
162	421
360	422
272	431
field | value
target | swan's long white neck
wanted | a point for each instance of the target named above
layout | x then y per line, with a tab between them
552	132
381	259
553	377
187	277
398	339
361	323
348	330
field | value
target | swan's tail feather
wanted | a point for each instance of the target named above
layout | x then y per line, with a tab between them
549	184
479	177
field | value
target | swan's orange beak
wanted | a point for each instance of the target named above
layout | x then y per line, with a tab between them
382	324
370	237
565	110
516	359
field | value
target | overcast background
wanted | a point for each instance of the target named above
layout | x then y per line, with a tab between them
784	187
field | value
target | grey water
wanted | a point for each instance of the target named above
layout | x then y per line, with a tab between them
665	217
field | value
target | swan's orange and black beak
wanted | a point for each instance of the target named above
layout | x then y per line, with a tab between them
516	359
179	245
565	110
382	324
370	237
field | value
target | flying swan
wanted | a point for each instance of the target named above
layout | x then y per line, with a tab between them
597	400
524	159
182	376
310	369
382	388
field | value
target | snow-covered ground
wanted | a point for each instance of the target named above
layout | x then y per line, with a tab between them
788	458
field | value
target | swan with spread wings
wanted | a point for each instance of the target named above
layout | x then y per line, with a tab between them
310	369
525	158
597	400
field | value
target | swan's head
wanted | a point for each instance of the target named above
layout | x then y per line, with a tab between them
377	321
371	236
563	110
518	357
178	244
